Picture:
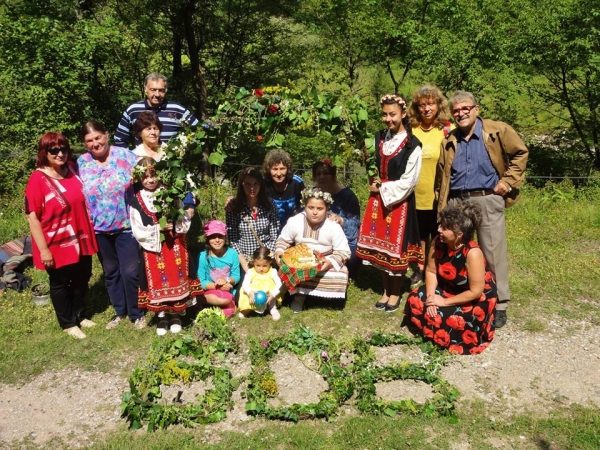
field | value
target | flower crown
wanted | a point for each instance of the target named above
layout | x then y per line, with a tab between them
315	193
393	98
139	172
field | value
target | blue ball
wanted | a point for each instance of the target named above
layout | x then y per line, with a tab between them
260	298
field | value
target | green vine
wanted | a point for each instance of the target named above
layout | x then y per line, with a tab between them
184	360
348	368
367	375
301	342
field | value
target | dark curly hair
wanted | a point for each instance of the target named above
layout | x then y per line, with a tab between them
461	217
277	156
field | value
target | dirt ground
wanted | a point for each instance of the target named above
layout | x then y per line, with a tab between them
520	372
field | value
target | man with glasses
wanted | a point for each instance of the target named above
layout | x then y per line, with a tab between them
171	114
483	161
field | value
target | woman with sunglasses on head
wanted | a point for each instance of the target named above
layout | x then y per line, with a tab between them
389	234
61	231
430	121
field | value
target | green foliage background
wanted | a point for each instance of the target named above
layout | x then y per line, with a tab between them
534	64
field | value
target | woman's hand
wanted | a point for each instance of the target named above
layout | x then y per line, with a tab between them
374	186
278	259
47	258
168	227
229	204
243	263
432	311
335	218
435	300
326	265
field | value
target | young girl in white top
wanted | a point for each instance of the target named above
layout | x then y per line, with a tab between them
261	277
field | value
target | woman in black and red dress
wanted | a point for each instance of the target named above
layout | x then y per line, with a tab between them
456	307
389	234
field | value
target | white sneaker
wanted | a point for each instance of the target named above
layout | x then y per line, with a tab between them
275	313
174	323
140	323
241	315
75	332
298	303
163	324
86	323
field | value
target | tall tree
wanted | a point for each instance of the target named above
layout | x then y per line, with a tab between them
558	43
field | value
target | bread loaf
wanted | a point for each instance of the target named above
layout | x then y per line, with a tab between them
300	256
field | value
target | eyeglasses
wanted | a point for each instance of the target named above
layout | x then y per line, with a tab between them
56	151
462	110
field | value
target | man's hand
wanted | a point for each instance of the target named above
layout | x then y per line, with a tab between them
502	188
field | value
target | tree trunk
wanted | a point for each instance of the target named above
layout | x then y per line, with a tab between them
198	72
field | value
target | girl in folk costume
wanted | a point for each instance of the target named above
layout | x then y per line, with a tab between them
389	235
329	277
261	277
165	285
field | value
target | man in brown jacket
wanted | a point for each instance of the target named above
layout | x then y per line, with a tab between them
483	161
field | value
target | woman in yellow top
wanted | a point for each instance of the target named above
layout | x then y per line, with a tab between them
430	121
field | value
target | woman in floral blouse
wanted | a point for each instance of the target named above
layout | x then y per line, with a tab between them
106	175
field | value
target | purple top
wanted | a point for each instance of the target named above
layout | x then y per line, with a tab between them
105	189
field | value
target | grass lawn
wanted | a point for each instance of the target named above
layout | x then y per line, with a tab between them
554	259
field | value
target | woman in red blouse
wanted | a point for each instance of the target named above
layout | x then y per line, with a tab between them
61	230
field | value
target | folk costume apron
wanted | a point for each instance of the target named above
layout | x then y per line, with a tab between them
389	237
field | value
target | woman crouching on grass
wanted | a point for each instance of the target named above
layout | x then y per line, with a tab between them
326	237
456	307
165	285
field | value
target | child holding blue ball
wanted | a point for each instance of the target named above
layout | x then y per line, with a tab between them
261	279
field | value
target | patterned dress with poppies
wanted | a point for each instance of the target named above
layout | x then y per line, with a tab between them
462	329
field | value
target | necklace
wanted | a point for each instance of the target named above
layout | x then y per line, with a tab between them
426	129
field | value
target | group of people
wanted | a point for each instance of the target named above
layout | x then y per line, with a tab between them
437	186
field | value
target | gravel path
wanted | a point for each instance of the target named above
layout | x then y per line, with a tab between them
520	372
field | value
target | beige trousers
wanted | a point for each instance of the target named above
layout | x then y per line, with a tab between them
491	237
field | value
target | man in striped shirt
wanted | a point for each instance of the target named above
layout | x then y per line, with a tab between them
170	113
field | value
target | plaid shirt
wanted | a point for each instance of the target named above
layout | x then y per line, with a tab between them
241	237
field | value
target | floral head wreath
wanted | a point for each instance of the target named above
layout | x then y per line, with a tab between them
393	98
139	172
316	193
